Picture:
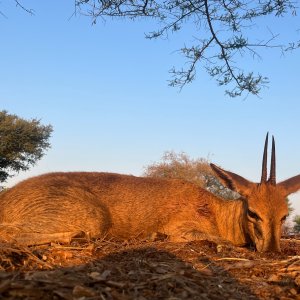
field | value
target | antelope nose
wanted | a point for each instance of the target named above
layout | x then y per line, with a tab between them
273	245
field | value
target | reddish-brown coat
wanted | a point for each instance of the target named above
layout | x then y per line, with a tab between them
105	204
59	206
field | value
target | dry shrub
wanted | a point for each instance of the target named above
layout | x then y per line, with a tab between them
181	166
198	171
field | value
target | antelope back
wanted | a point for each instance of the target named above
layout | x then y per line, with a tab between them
264	204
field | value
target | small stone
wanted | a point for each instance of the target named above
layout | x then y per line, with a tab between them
100	277
95	276
105	274
219	248
83	291
277	290
206	272
293	292
273	278
184	295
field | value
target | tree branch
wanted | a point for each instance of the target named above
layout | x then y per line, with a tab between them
18	4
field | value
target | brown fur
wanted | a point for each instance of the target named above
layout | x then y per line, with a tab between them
59	206
102	203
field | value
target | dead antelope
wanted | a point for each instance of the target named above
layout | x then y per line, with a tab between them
59	206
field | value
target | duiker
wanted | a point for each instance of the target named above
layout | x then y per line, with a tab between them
59	206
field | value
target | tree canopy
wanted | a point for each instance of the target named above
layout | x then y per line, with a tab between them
22	143
224	34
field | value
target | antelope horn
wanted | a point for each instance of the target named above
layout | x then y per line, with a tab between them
264	162
272	178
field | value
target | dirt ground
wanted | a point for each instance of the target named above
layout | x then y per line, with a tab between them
149	270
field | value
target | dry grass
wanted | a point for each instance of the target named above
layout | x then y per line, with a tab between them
107	269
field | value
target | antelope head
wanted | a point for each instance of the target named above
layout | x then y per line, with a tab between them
264	204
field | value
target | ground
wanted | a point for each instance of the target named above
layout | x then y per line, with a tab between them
107	269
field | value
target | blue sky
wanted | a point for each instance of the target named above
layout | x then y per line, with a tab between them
104	89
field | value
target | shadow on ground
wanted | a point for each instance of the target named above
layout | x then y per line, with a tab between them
146	273
148	270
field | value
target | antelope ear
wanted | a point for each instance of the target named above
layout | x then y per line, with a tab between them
291	185
233	181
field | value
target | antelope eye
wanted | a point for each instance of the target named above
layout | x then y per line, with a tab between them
283	219
252	215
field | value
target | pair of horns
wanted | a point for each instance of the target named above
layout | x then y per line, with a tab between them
272	178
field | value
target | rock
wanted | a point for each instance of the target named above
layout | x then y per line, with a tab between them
273	278
83	291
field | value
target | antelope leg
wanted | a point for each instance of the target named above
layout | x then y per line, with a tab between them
31	239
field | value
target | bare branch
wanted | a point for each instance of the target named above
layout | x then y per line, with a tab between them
18	4
222	25
221	28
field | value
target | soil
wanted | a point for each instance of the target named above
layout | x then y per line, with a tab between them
107	269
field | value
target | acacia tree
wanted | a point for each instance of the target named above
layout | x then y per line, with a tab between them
221	30
22	143
198	171
221	34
